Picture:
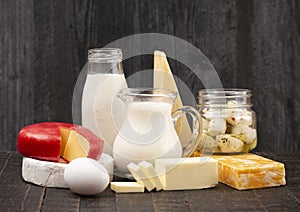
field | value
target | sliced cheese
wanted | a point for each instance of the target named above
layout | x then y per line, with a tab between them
250	171
44	173
163	78
150	172
76	147
187	173
140	176
126	187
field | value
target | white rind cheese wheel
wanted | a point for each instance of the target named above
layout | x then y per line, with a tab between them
51	174
44	173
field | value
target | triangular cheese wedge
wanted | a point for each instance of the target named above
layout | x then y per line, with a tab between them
163	78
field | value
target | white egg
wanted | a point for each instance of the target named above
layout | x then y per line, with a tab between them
86	176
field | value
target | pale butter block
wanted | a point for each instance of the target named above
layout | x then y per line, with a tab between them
150	172
249	171
216	126
127	187
140	176
44	173
108	162
187	173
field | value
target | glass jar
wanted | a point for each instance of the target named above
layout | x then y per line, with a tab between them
229	123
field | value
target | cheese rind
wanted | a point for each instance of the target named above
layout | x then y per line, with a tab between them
49	140
44	173
127	187
150	172
140	176
249	171
187	173
51	174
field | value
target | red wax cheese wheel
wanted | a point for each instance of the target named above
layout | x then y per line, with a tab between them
52	140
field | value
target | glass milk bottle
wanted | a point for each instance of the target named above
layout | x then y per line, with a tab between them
102	111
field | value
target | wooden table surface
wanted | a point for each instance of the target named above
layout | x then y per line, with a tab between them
17	195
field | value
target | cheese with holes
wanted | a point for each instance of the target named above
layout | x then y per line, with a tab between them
249	171
140	176
126	187
187	173
150	172
163	78
52	140
51	174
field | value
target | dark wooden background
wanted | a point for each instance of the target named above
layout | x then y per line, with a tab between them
252	44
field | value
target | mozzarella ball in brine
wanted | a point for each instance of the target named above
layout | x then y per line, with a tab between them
86	176
216	126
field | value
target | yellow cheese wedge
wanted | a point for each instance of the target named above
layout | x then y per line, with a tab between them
249	171
64	134
163	78
77	146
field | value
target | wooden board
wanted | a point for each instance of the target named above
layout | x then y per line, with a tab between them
252	44
17	195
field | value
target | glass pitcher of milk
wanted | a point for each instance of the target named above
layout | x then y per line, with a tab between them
102	111
148	131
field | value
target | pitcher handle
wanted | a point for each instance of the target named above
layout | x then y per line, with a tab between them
194	140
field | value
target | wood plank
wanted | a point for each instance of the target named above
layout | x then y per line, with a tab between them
134	202
211	27
253	44
33	198
106	201
14	192
16	72
4	157
223	196
279	199
269	60
60	200
55	59
170	201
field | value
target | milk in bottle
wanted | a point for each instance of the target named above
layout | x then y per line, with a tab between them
102	111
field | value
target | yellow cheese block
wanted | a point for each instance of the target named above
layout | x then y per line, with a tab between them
163	78
249	171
